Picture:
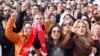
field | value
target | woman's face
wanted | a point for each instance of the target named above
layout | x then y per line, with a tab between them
67	26
93	20
67	17
55	34
81	29
52	19
27	29
96	30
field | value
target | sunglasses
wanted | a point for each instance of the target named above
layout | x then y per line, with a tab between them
54	31
67	24
92	21
27	27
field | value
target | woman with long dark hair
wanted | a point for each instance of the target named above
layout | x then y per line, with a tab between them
54	41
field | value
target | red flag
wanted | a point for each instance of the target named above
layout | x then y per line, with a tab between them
41	34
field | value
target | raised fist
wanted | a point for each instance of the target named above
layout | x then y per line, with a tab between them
24	6
14	15
75	27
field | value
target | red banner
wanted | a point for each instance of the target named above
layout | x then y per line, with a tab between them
41	36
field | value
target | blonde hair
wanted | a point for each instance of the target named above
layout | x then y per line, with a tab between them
92	27
88	32
87	39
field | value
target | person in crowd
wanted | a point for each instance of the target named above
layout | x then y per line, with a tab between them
7	11
35	9
77	14
54	13
78	6
79	39
95	30
66	26
84	10
17	6
21	17
17	38
28	14
37	37
49	22
66	29
19	24
39	20
66	16
93	20
50	10
7	46
86	18
54	40
60	10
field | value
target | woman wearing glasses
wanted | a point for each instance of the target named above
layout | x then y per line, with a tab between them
66	26
54	40
20	38
79	39
92	20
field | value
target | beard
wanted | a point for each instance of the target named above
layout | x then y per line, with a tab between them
7	16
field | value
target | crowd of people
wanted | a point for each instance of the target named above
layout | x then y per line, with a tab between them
49	28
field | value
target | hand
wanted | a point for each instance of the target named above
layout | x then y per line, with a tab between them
59	11
14	15
46	15
74	28
94	50
34	25
37	26
24	6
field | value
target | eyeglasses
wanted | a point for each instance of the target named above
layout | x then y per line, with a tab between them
27	27
7	10
67	24
92	21
54	31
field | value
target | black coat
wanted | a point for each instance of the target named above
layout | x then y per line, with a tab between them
7	46
51	49
97	45
5	43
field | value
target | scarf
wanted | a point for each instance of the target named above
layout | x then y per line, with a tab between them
41	36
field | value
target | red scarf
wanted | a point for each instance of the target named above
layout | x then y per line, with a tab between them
41	36
95	39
